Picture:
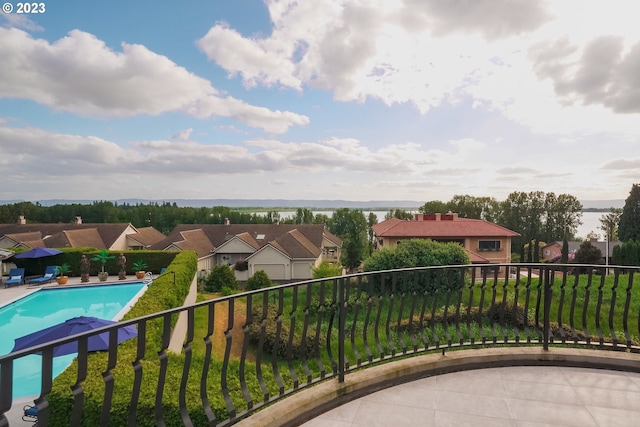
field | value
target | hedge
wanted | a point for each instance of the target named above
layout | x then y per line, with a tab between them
160	296
156	260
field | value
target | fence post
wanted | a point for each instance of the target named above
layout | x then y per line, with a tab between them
546	278
341	326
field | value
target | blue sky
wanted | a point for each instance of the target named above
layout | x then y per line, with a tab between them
356	100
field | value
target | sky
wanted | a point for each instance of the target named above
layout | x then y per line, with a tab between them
357	100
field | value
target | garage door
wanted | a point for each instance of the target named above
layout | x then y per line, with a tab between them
301	270
274	271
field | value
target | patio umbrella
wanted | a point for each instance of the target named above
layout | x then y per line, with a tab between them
74	326
38	253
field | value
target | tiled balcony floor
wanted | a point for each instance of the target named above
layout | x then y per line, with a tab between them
513	396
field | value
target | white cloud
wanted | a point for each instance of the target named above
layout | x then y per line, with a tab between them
80	74
428	52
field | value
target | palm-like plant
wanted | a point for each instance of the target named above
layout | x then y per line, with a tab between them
102	257
140	265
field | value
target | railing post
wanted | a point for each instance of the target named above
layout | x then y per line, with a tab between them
341	327
546	278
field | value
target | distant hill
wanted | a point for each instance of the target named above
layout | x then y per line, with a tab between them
288	203
248	203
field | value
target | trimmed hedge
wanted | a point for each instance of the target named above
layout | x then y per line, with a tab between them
160	296
156	260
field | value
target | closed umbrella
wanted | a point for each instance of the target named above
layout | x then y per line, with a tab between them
74	326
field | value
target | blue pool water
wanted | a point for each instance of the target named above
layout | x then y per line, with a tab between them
48	307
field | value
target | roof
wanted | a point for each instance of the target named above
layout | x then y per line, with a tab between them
453	228
294	240
52	235
61	235
147	236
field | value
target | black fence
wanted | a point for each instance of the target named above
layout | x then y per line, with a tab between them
244	351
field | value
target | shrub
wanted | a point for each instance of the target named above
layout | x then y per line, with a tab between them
258	281
419	253
326	269
221	276
274	343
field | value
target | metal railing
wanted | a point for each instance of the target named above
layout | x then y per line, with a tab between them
244	351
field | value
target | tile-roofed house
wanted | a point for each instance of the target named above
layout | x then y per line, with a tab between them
284	251
112	236
484	241
553	251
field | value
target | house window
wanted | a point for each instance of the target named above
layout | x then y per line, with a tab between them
489	245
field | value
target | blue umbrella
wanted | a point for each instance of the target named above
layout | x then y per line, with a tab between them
38	253
74	326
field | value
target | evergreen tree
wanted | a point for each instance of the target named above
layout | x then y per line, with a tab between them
564	257
629	227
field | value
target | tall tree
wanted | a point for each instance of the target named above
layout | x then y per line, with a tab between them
433	207
629	226
609	223
398	213
467	206
351	226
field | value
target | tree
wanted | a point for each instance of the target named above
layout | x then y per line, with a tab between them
467	206
221	276
609	224
372	220
259	280
588	254
351	226
564	257
433	207
420	253
398	213
629	226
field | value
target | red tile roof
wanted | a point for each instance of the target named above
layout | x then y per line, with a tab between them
455	228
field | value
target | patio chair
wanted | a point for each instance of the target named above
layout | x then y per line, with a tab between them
30	414
49	275
16	277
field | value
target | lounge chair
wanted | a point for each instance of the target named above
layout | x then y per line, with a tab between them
30	414
16	277
49	275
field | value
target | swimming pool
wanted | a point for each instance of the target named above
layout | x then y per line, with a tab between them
47	307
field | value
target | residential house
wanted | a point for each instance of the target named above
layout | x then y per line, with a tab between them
284	251
485	242
115	237
552	252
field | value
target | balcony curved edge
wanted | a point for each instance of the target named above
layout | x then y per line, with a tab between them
314	401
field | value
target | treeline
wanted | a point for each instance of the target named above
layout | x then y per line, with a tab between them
162	216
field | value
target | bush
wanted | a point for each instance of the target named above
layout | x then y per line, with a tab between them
419	253
258	281
326	269
274	343
221	276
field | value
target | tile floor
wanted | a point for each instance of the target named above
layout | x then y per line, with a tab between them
514	396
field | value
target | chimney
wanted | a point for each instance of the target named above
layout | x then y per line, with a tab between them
226	221
78	220
438	216
22	220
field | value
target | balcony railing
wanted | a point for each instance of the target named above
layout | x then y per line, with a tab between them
244	351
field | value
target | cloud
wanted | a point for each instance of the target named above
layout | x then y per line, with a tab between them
601	73
183	135
80	74
492	19
623	164
15	20
568	67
